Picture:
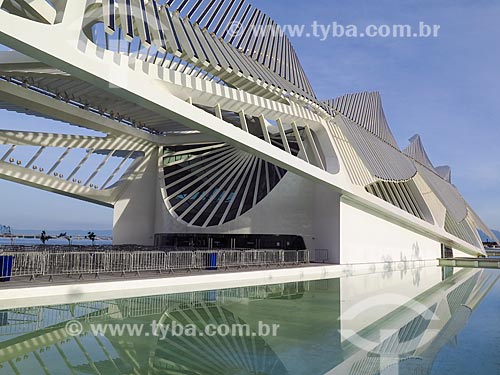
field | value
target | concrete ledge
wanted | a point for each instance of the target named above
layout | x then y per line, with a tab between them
47	294
470	262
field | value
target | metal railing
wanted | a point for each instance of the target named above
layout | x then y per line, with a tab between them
54	262
148	261
321	255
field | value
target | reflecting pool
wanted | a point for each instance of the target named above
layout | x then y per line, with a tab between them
408	321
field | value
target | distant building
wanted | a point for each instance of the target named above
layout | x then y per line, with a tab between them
4	229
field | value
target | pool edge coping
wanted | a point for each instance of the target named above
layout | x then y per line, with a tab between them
30	295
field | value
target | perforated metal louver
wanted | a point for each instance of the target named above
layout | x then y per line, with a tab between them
438	182
365	109
404	195
446	192
234	36
463	229
445	172
417	152
209	185
383	160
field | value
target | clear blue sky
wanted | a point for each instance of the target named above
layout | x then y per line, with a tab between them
444	88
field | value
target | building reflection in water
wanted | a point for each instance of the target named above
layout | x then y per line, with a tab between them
353	325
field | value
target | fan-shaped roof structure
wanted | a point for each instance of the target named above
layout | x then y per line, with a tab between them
444	190
383	161
444	171
365	109
366	127
232	40
417	152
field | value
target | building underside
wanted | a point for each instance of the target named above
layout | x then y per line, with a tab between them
208	137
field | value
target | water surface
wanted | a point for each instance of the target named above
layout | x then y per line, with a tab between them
406	321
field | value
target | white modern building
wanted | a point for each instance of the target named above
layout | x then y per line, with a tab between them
208	133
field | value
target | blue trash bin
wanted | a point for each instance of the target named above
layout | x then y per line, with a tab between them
6	267
212	261
212	295
4	318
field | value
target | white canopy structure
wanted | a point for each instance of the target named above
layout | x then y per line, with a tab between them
206	128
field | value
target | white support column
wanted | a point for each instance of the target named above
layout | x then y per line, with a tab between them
218	111
108	15
263	126
283	136
299	140
316	154
243	120
134	211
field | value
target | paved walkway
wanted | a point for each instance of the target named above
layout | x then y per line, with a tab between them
45	281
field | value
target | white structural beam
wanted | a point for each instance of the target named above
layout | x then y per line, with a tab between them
218	111
299	141
35	157
39	9
116	170
8	153
243	121
59	161
99	167
60	110
312	143
263	126
24	138
53	184
80	165
233	183
284	139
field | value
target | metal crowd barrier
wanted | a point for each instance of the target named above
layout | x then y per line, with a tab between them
119	262
149	261
303	256
290	257
253	258
180	260
206	259
321	255
75	263
273	258
232	258
21	264
58	263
